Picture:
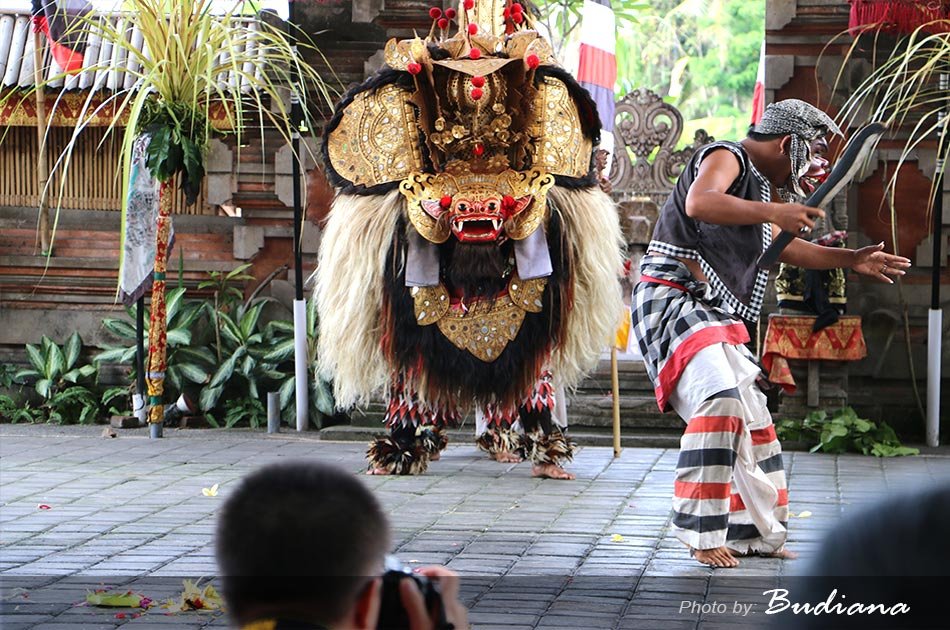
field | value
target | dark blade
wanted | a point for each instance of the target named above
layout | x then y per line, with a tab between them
844	171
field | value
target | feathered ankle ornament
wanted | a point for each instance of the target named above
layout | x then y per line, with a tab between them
386	453
554	448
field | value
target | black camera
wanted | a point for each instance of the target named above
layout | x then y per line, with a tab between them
392	614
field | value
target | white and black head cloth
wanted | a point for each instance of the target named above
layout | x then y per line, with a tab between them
804	123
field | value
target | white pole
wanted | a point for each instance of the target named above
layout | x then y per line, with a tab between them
300	362
934	332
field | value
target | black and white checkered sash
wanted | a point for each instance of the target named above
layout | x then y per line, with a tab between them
674	317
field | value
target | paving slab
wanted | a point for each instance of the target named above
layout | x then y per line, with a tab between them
596	552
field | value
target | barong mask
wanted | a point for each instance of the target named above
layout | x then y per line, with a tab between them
473	134
469	247
805	124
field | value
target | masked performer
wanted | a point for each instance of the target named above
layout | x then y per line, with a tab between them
820	292
699	285
469	256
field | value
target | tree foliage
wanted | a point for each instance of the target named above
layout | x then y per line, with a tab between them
699	55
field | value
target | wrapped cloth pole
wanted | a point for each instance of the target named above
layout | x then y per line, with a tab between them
157	343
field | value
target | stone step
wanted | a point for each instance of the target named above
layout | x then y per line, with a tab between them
583	437
636	412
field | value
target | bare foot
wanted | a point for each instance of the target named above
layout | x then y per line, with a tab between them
718	557
436	456
506	457
550	471
377	471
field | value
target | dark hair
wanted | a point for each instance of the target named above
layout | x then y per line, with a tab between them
304	519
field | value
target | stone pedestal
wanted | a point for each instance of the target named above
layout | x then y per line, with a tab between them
821	385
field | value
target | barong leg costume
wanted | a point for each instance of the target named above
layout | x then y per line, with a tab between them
730	485
469	246
528	430
416	432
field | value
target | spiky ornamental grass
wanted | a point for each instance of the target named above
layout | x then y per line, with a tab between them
906	90
192	60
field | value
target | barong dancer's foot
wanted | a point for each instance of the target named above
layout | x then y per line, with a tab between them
551	471
433	440
720	557
506	457
390	456
501	444
547	452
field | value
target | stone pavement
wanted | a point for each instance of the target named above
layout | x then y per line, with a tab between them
594	553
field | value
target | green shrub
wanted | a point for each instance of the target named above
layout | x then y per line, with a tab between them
60	382
844	432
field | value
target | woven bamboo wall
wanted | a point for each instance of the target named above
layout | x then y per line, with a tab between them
89	183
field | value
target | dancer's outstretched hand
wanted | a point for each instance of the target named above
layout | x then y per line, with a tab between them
873	261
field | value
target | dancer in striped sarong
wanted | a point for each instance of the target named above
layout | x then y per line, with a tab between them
699	287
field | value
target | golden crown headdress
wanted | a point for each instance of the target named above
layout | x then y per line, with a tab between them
480	95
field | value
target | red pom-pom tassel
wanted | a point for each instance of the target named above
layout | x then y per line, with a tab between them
476	94
413	67
472	29
533	61
445	202
478	82
443	23
479	150
469	5
435	13
474	54
450	13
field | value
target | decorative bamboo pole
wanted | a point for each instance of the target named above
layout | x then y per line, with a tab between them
155	375
615	383
42	168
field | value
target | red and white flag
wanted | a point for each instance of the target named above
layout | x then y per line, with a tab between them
758	95
597	63
58	21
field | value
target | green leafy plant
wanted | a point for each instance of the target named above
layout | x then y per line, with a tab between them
243	350
53	367
245	408
227	286
13	412
8	375
844	432
188	361
113	396
76	402
59	380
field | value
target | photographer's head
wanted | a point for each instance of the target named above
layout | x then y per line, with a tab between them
302	541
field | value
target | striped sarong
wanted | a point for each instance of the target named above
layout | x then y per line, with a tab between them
730	481
730	487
